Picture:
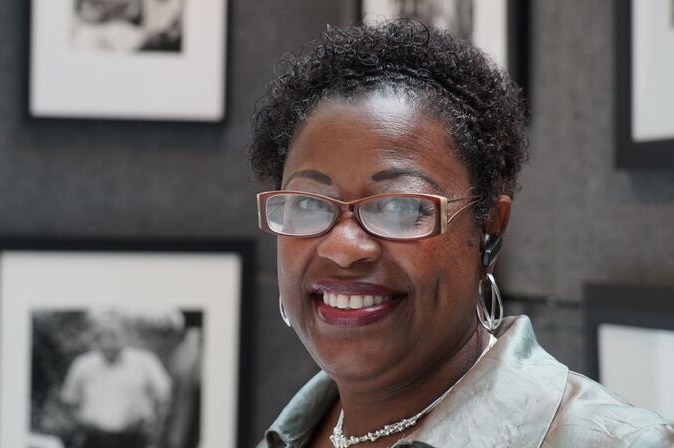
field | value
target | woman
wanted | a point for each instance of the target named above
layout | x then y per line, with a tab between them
394	150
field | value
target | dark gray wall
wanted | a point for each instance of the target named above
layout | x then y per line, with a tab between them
577	218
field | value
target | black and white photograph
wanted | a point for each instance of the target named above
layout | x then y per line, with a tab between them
109	344
128	25
116	377
483	22
132	60
454	15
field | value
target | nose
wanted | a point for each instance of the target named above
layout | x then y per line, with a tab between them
347	244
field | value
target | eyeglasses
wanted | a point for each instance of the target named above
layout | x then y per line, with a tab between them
395	216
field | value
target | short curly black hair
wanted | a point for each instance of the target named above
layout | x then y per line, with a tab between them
482	108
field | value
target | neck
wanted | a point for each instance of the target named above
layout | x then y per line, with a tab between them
369	409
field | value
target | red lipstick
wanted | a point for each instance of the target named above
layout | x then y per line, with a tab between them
354	317
359	303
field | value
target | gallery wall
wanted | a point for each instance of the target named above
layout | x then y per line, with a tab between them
576	219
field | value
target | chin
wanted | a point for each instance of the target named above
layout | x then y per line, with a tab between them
355	361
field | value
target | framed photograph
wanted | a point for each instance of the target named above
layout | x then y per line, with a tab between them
500	27
128	59
644	90
123	342
630	340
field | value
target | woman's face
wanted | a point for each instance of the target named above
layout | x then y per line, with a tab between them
428	288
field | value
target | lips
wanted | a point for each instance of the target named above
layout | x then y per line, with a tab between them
353	304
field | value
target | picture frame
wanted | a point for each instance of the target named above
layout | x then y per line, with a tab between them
630	341
500	27
644	130
155	60
180	302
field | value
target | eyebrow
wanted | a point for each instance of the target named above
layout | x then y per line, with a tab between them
395	173
310	174
392	173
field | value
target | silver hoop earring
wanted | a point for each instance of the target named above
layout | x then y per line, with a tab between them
489	316
282	310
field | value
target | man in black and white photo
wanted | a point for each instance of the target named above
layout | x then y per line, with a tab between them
118	395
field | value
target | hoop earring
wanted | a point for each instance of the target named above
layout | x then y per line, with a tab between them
489	316
282	310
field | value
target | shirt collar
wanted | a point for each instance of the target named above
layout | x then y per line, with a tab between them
294	425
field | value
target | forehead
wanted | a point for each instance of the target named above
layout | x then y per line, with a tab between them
354	140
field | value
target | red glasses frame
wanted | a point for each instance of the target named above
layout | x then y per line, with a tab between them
439	227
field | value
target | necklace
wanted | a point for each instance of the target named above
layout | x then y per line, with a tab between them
339	440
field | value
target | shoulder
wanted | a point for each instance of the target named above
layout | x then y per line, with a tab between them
83	368
594	416
87	361
569	408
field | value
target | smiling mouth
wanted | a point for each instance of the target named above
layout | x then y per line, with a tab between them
353	302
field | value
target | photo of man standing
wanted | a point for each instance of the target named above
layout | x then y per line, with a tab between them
118	394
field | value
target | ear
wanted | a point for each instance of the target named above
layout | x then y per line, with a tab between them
492	237
499	216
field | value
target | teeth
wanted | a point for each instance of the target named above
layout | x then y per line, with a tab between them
345	302
342	301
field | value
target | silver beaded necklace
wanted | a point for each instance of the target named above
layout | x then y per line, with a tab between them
339	440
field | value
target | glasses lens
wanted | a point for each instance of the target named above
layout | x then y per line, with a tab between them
298	214
399	216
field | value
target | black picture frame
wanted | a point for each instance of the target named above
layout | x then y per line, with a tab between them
627	306
519	31
203	270
656	154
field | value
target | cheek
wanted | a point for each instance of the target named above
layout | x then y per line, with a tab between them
292	259
284	268
448	271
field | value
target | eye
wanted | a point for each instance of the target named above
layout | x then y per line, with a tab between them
308	203
398	216
400	205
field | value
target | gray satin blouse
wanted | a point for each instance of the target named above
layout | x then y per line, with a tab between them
517	395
